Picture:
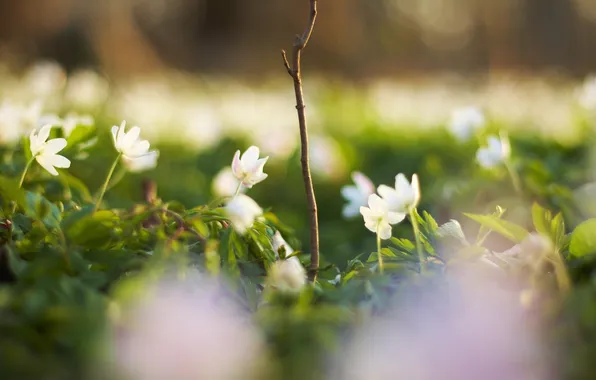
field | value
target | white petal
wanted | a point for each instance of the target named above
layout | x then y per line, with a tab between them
141	163
46	164
351	193
486	159
401	182
130	138
137	149
376	203
54	146
363	183
371	225
250	157
388	193
350	210
366	212
258	166
384	230
416	190
57	160
44	133
115	130
395	217
237	166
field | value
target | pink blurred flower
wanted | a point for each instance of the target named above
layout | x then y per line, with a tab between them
187	331
473	330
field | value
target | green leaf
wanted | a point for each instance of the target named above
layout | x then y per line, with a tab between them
583	239
93	230
541	219
76	184
212	258
509	230
40	208
10	191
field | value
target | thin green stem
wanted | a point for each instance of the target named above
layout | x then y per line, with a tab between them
419	248
561	272
238	189
117	178
25	172
514	178
104	187
379	255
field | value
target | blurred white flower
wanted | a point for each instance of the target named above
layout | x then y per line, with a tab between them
587	94
17	119
187	331
225	183
287	276
465	122
73	120
44	151
135	152
357	196
45	78
86	89
277	242
472	329
242	211
378	218
404	197
141	163
249	168
326	157
496	152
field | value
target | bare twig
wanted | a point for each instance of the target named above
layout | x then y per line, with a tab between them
294	70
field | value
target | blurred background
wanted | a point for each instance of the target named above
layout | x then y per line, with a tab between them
203	78
359	39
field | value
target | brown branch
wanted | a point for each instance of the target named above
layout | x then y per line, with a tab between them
294	70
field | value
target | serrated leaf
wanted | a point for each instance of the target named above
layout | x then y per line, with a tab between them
583	239
10	191
509	230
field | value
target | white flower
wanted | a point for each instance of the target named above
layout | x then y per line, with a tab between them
135	152
17	119
587	94
86	89
287	276
242	211
494	153
249	168
357	196
225	183
465	121
404	197
45	78
141	163
72	120
278	242
378	218
45	151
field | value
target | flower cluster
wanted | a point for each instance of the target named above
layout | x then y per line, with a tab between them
392	206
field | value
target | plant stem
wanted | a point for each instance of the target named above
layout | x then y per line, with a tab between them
514	178
380	257
106	182
294	70
561	272
237	190
419	248
25	172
